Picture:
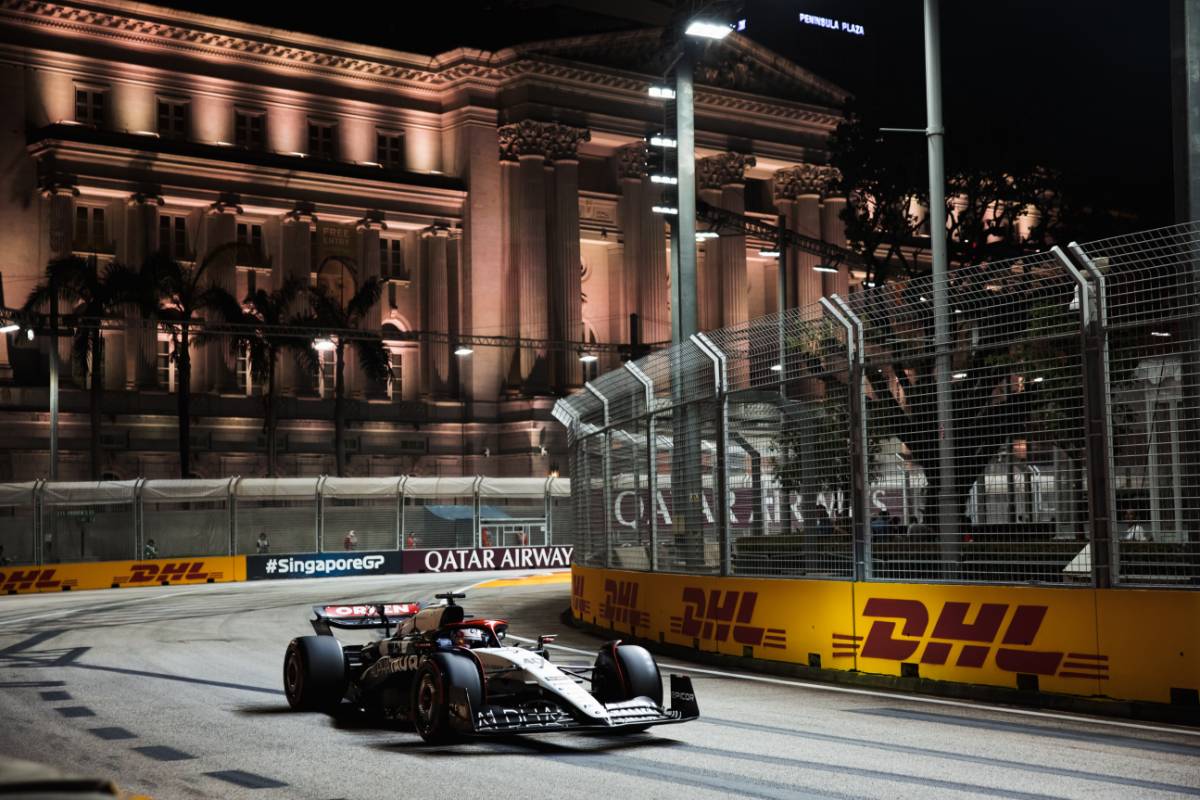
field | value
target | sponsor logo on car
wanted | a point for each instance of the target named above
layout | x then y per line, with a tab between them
404	663
717	615
390	609
975	639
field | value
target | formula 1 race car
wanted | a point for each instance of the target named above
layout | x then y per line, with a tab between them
453	676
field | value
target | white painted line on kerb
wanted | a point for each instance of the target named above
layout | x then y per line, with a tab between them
911	698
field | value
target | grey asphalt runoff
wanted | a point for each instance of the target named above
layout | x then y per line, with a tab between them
183	686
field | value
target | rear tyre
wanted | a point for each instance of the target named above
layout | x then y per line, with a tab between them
314	673
432	685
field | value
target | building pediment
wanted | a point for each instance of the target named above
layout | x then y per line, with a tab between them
736	63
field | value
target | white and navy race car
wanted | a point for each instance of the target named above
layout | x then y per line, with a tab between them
453	676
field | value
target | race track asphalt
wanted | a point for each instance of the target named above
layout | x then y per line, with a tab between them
175	692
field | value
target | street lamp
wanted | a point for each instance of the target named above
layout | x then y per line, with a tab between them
462	351
704	29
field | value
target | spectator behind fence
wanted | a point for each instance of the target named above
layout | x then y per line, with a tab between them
263	544
4	560
350	542
151	550
1134	532
878	525
410	542
918	529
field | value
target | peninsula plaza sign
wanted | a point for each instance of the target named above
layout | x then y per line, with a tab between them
828	23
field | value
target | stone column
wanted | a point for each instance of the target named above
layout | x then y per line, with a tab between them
798	193
631	174
437	312
724	175
708	260
510	295
566	299
295	261
368	229
654	289
646	289
530	142
481	269
833	231
60	193
220	228
141	338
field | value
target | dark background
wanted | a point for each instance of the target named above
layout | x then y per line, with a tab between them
1082	86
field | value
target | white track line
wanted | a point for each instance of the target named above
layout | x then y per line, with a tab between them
912	698
65	612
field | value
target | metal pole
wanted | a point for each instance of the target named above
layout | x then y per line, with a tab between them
683	231
781	305
1185	90
941	307
53	383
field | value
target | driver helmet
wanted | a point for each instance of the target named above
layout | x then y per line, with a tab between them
468	637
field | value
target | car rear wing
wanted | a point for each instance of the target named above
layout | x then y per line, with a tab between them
381	614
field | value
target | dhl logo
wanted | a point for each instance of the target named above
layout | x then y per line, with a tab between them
579	604
18	580
975	639
620	604
170	571
719	614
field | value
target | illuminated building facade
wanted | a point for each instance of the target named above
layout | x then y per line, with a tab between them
499	194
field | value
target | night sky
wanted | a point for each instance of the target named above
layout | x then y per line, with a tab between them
1082	86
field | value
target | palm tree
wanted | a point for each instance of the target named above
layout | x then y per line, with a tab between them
175	293
259	332
327	312
93	293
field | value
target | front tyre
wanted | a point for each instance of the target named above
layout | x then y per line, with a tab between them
625	671
432	685
314	673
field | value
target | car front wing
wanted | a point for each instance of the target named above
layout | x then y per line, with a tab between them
638	712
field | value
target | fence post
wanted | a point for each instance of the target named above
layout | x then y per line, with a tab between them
477	536
860	452
233	484
651	460
400	511
36	527
548	511
1092	316
836	308
400	499
139	535
720	473
607	462
565	413
319	515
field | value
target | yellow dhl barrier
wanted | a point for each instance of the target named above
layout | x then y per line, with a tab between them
1119	643
112	574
